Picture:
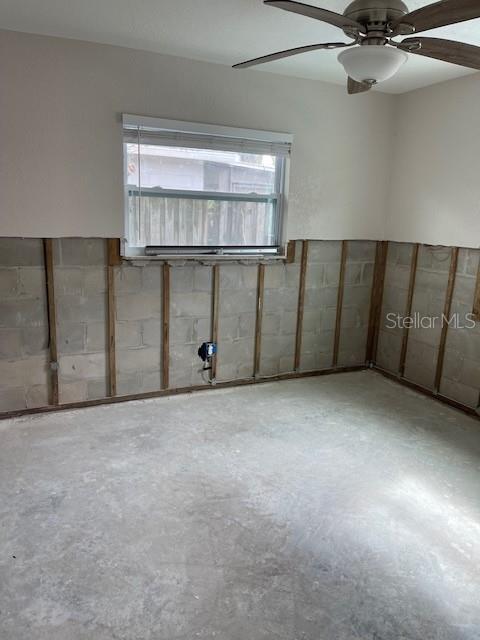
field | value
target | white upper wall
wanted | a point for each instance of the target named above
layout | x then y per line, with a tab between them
61	167
435	181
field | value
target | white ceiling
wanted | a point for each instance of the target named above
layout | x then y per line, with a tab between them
221	31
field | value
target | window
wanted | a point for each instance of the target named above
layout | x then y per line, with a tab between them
195	189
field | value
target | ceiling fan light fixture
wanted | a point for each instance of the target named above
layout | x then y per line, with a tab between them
372	63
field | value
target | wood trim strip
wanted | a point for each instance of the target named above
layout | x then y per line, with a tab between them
215	314
428	392
179	391
446	317
476	299
376	301
341	287
300	306
258	320
52	320
408	308
111	336
290	257
165	326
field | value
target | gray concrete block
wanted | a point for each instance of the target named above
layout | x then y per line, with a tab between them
228	328
152	333
332	274
286	364
181	331
462	393
237	301
389	350
468	261
82	251
97	388
421	363
32	282
315	276
21	252
74	309
69	281
151	381
292	276
8	282
271	323
353	273
202	278
247	325
129	384
70	391
139	306
12	398
231	277
128	334
11	343
128	279
152	276
27	372
71	338
35	340
275	276
361	251
191	305
181	279
95	280
464	290
288	323
37	396
201	330
138	360
96	339
82	366
324	251
280	299
250	276
22	312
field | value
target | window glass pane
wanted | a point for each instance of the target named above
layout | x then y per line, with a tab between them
189	222
200	169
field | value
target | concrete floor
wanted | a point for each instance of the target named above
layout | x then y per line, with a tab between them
336	508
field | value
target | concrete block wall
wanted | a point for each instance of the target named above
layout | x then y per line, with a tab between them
236	323
190	322
279	320
461	368
81	299
81	305
357	294
23	325
320	309
395	295
138	331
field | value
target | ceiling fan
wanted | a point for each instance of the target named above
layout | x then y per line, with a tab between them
373	56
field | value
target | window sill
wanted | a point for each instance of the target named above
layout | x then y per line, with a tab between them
202	259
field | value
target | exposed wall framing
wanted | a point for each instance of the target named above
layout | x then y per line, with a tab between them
376	301
301	306
112	260
341	287
446	318
165	326
408	309
258	319
52	321
215	315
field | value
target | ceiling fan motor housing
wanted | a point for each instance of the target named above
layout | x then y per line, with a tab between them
376	13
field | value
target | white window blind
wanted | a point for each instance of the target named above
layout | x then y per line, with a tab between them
193	187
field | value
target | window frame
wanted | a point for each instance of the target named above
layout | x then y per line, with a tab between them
279	198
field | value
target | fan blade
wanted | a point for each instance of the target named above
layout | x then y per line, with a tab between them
436	15
357	87
289	52
336	19
466	55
